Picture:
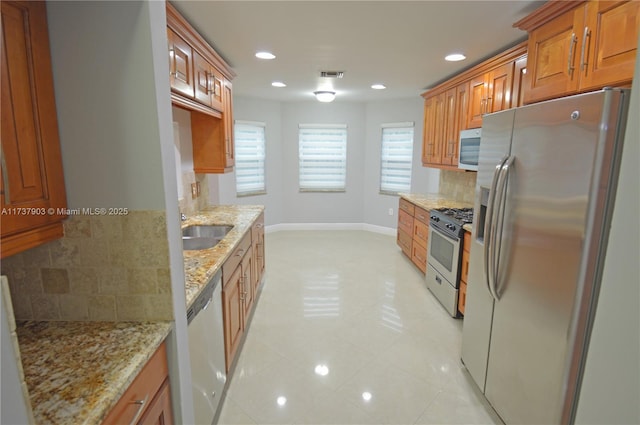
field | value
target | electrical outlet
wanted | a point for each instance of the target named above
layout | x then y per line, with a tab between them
390	211
194	190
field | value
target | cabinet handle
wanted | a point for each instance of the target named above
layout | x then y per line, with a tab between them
259	225
583	59
574	41
5	178
140	404
239	253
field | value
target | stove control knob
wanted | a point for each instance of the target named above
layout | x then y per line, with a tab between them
453	227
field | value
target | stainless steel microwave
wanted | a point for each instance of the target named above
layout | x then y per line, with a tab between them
469	149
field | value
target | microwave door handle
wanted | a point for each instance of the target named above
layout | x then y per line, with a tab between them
488	226
499	224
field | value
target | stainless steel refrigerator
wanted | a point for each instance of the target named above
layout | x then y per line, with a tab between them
544	195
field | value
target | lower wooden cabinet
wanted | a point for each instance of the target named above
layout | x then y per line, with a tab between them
413	233
233	315
148	398
464	272
257	239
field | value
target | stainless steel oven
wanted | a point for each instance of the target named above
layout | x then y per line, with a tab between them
443	258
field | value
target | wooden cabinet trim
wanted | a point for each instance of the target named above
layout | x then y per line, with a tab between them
545	13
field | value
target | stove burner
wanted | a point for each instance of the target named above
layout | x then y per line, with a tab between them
463	215
451	220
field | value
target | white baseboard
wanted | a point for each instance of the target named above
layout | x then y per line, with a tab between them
330	226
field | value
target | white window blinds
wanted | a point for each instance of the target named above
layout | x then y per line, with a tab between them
322	152
396	157
250	154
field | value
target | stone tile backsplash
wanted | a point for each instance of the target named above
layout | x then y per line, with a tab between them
458	185
105	268
187	204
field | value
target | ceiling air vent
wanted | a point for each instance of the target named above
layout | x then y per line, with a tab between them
332	74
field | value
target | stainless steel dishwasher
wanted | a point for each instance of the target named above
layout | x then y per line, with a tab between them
206	351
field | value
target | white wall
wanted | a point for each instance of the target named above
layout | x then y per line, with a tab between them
270	113
610	390
106	104
362	202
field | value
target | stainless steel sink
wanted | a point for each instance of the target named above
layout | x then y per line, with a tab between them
206	231
203	236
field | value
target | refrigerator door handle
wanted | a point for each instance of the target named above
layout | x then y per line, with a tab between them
500	205
488	227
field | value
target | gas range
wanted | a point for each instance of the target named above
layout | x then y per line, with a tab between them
450	220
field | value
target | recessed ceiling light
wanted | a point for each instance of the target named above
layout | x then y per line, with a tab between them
278	84
265	55
455	57
378	86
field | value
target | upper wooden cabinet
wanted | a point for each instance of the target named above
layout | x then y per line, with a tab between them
459	103
580	46
33	193
201	83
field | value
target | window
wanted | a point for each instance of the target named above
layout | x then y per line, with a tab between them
396	157
322	153
250	156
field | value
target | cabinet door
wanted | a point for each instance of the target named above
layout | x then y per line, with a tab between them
180	65
609	43
462	107
477	101
438	136
159	411
233	309
227	116
32	178
257	237
553	56
203	79
519	87
500	82
449	147
429	130
247	282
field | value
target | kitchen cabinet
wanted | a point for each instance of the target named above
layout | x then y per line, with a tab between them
257	238
237	296
420	238
580	46
413	233
201	83
180	65
490	92
464	272
459	103
148	399
32	181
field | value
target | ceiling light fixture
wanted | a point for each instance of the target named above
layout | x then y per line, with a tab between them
265	55
278	84
455	57
325	95
378	86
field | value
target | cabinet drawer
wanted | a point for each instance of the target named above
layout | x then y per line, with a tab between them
404	241
405	222
420	232
421	214
144	387
407	206
234	259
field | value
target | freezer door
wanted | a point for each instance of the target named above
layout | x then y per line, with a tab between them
550	187
476	331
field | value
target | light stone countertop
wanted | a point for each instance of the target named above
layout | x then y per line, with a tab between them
432	201
77	371
467	227
201	265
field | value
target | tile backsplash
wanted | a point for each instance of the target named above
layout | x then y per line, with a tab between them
458	185
105	268
187	204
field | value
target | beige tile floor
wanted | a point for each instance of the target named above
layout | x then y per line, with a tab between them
345	332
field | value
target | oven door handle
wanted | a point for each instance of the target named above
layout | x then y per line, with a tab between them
488	226
498	225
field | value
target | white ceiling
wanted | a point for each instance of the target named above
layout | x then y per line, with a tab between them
401	44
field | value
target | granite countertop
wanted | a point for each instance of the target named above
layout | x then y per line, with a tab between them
467	227
433	200
77	371
201	265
